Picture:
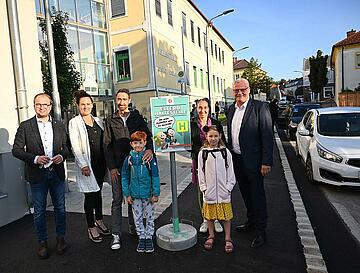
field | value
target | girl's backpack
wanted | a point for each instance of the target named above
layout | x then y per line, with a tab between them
206	152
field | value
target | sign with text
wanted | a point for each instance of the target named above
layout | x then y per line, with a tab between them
170	123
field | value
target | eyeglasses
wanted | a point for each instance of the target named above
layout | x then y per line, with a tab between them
242	90
39	105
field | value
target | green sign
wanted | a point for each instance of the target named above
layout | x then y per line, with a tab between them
170	118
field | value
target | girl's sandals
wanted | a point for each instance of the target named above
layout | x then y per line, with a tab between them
209	243
229	246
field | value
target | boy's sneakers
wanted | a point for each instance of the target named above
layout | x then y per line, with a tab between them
149	245
115	242
141	247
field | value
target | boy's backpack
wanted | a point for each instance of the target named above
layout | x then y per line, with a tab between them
131	162
206	152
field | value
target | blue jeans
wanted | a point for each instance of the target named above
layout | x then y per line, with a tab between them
51	183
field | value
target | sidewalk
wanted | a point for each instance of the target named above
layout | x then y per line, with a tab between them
282	253
75	199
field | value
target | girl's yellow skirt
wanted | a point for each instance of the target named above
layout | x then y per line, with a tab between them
222	211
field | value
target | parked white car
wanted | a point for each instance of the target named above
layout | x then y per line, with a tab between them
328	140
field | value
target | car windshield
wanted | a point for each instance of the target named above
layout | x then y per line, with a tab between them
301	110
344	124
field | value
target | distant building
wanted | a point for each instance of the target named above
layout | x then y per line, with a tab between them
345	59
152	41
328	90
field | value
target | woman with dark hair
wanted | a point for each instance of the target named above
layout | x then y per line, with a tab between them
86	136
198	137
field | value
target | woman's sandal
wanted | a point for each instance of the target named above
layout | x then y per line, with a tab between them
229	246
97	239
209	243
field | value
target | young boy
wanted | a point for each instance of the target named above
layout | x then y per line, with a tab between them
141	187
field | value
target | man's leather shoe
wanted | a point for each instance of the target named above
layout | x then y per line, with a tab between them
43	252
61	245
258	241
245	227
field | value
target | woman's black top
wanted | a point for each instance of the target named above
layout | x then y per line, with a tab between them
95	135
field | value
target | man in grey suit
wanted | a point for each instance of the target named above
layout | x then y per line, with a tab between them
41	143
250	140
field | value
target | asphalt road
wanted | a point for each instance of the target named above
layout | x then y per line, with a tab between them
339	247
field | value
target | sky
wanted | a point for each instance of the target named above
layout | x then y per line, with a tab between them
280	33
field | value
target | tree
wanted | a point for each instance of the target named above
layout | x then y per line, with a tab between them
318	71
258	80
67	77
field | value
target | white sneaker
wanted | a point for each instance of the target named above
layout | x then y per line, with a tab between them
218	226
115	242
203	227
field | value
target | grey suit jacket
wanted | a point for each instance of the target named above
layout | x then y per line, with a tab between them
255	137
28	145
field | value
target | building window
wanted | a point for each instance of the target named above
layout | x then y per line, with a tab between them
184	24
86	46
84	12
101	49
357	61
224	87
215	51
122	60
222	53
205	42
219	55
73	42
69	7
192	31
98	14
38	7
53	5
158	8
212	48
214	86
328	92
187	73
117	8
202	78
169	12
195	76
221	85
207	80
199	37
217	84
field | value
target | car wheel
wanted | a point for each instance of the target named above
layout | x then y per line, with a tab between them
309	171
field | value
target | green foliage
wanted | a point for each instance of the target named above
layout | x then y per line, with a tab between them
258	80
68	78
318	71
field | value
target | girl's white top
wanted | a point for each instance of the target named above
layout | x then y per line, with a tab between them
218	181
81	149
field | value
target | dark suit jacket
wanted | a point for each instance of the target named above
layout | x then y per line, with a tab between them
256	137
28	144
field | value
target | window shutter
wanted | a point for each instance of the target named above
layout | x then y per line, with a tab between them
117	8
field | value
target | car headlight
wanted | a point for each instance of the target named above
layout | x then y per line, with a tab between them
323	153
293	124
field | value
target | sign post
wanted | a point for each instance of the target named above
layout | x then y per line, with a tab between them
171	132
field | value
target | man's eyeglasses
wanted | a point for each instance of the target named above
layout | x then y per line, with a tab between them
242	90
39	105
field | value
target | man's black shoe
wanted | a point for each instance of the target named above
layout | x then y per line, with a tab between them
258	241
245	227
43	251
61	245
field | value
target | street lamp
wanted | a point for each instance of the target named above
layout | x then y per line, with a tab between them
207	48
245	47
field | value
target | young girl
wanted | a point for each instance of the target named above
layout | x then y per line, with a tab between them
216	181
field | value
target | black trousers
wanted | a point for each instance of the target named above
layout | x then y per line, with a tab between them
251	186
93	202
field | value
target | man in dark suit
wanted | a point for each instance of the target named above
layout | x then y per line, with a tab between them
250	139
41	143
